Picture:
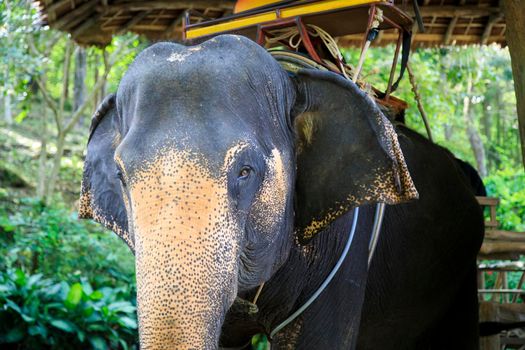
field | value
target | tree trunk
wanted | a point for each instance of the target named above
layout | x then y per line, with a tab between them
79	87
448	131
515	34
41	189
57	162
487	117
96	99
8	116
473	135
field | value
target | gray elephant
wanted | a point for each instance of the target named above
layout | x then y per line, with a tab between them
222	171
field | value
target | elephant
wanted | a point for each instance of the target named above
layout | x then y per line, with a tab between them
228	176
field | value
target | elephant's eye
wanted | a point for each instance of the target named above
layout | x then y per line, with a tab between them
120	176
245	172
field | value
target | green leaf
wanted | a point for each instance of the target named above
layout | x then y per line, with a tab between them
27	318
53	289
128	322
88	311
38	329
94	317
96	295
259	342
73	296
64	325
33	279
11	304
123	343
81	335
98	343
20	277
97	327
122	306
86	286
21	116
6	225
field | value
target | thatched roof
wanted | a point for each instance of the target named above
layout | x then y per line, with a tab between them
94	22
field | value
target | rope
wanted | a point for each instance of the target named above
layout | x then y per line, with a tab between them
256	297
326	281
378	220
372	33
417	97
291	34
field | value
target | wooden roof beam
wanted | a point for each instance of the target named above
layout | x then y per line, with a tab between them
467	28
157	16
455	11
493	19
167	5
450	30
135	20
110	19
85	25
71	16
55	5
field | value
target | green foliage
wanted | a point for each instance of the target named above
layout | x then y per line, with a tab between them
38	313
260	342
65	283
509	185
16	22
441	76
51	240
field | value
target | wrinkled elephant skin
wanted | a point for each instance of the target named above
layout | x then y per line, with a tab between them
222	171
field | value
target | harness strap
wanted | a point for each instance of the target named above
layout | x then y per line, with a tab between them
326	281
405	53
374	238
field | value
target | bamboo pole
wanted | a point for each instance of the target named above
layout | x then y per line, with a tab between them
515	34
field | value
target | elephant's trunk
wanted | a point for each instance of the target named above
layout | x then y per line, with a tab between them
182	296
186	247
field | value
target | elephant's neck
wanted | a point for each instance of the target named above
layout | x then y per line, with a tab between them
305	270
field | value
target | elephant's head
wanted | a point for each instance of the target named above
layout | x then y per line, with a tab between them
211	161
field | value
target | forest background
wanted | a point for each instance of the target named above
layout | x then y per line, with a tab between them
66	283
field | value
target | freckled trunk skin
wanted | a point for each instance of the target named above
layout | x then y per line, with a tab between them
186	248
181	301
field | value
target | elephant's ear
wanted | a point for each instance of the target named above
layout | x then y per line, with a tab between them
101	197
347	152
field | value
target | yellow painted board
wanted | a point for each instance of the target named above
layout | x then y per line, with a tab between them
269	16
322	7
236	24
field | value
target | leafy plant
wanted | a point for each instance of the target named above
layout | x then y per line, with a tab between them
40	313
49	239
508	185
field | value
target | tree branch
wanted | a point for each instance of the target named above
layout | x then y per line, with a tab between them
65	76
109	62
49	101
55	38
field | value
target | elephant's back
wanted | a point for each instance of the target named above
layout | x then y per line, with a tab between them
427	248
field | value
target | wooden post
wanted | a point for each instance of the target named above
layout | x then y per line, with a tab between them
488	312
515	34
